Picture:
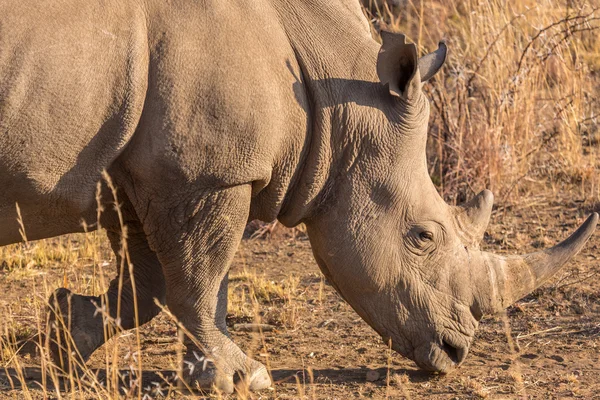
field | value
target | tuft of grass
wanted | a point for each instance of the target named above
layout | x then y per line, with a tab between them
248	291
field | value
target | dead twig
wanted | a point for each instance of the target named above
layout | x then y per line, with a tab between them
519	336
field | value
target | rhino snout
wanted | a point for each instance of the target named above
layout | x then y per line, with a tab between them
441	356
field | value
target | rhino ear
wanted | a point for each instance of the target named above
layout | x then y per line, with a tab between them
430	64
397	65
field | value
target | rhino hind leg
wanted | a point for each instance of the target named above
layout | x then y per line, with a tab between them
195	236
77	323
72	330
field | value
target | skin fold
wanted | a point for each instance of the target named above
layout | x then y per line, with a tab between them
281	110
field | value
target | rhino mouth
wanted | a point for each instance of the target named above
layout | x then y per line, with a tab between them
456	354
440	356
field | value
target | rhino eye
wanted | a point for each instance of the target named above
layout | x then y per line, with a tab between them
420	240
426	236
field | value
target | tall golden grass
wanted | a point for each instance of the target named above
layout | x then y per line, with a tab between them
518	100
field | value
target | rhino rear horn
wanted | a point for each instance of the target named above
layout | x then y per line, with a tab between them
474	216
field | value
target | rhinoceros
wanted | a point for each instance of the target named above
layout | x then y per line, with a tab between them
207	114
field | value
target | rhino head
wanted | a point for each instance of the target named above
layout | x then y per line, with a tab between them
406	261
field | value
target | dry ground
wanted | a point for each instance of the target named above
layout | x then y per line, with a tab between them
515	110
320	348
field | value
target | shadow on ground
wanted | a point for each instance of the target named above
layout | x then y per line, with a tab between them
162	380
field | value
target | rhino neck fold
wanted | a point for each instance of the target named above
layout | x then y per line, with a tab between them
334	50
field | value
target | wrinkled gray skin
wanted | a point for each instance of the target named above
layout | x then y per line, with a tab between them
208	114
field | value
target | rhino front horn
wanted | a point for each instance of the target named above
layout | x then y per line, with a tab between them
513	277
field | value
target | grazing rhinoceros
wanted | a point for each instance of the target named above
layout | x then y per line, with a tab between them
209	113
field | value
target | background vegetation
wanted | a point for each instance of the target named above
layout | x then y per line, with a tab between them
518	101
515	110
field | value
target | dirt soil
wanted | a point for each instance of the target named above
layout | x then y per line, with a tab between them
321	349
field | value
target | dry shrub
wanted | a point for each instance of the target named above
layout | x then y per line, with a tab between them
517	101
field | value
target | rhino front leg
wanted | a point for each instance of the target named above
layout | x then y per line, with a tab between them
79	314
195	237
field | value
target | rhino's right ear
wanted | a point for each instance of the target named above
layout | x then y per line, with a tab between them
399	66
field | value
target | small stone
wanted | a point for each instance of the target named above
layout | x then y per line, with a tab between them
372	376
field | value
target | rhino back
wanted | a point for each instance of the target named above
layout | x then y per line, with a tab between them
225	105
73	78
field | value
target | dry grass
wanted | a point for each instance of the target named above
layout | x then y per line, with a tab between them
250	292
515	110
517	102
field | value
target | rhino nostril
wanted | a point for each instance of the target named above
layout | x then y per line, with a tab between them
452	352
476	312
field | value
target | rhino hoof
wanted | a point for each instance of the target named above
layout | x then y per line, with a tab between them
209	378
259	379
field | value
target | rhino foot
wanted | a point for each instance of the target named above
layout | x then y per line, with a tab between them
223	375
73	332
